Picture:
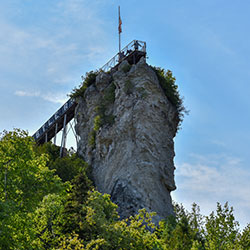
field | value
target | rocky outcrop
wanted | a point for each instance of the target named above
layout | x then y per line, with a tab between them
126	126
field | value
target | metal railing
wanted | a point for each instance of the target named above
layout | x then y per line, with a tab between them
53	119
63	115
135	45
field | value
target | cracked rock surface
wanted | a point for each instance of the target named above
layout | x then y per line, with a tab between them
132	157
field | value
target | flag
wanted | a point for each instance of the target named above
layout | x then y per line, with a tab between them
120	23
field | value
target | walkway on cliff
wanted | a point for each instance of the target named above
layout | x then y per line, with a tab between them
58	121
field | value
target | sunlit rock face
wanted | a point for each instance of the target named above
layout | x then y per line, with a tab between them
132	154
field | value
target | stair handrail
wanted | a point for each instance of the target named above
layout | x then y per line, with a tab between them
125	51
53	119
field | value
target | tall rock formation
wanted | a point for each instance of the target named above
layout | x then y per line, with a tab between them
126	126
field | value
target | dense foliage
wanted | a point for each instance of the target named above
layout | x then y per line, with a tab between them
170	88
88	80
25	180
50	203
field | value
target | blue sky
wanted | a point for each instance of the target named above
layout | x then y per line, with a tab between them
47	45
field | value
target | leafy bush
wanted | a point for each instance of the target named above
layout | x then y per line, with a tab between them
67	167
192	231
24	180
170	88
88	80
221	229
46	221
100	226
167	82
48	148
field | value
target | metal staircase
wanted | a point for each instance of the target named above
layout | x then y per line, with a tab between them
58	121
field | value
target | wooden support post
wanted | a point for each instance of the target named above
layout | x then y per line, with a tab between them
74	132
64	135
56	128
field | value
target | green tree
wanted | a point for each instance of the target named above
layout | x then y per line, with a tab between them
39	211
47	222
100	228
66	167
222	230
244	239
182	231
24	181
73	213
50	149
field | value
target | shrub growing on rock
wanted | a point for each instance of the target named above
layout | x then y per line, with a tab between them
88	80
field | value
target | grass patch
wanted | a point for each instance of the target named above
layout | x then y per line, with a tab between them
92	134
97	123
91	138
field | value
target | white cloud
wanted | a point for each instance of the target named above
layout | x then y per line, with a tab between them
46	57
218	143
56	51
51	97
77	8
55	98
200	176
208	179
27	93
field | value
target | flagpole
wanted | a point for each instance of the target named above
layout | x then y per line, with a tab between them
119	18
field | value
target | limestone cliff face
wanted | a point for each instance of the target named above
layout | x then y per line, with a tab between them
132	152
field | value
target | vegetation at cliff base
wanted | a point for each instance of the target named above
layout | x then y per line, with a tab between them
48	202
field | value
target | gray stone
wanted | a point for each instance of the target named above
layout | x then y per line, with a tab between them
124	65
102	80
132	158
